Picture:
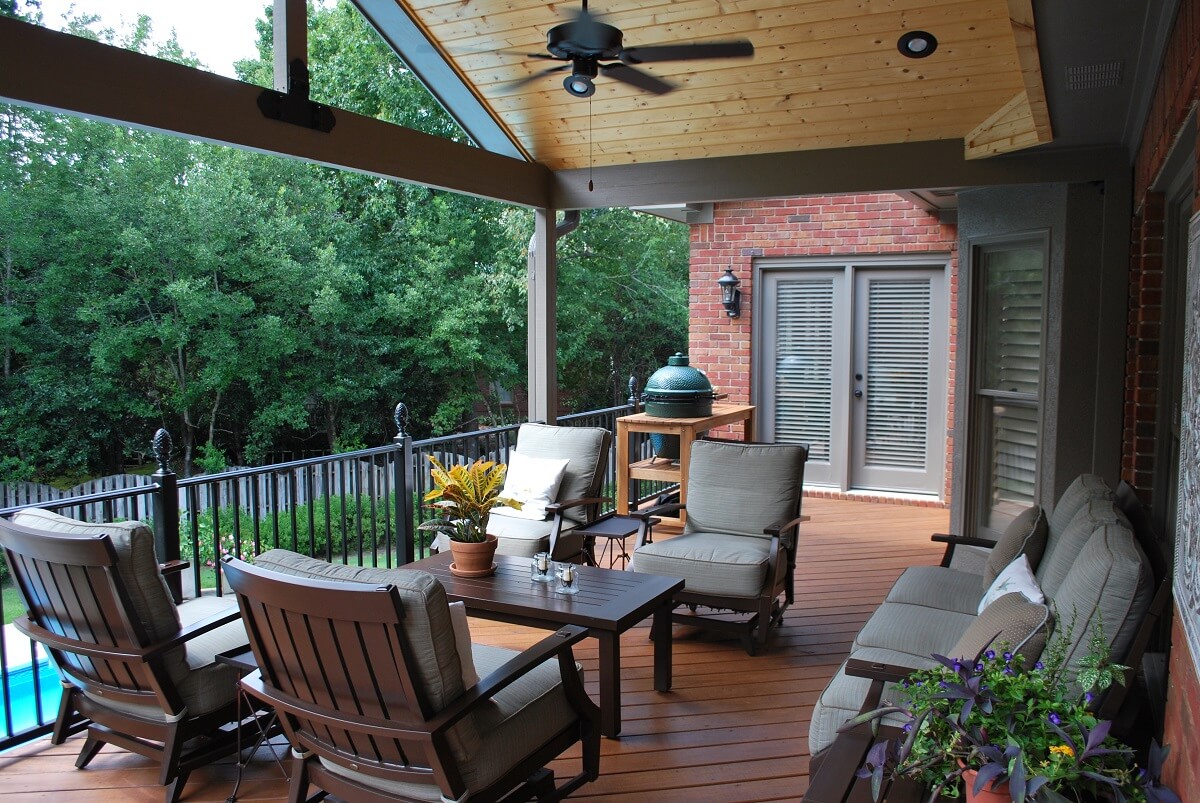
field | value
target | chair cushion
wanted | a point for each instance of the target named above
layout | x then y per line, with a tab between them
937	587
533	481
1083	489
462	641
742	488
585	449
1063	548
1011	623
136	564
1017	577
1025	535
709	563
843	697
520	719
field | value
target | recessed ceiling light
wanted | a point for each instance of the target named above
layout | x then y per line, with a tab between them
917	44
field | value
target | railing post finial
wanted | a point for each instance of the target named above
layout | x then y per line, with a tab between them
400	416
161	445
633	392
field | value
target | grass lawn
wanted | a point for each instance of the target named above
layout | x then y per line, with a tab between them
13	607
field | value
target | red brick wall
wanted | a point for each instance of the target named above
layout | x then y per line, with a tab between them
1182	770
867	224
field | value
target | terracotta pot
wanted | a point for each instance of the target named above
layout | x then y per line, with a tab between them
473	560
986	795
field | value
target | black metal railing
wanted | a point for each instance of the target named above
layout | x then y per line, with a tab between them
359	508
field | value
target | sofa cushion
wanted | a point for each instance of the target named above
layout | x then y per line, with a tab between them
585	449
1110	582
913	629
1018	577
937	587
1082	490
842	699
1063	548
1011	623
765	480
1025	535
710	563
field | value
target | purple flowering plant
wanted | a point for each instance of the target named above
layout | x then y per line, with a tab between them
1032	728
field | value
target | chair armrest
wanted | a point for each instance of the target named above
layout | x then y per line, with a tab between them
964	540
874	670
197	629
658	510
555	508
173	567
67	644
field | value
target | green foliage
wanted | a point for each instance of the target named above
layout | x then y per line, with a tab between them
212	459
1029	727
464	496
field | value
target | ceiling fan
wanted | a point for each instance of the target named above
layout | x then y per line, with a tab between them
593	48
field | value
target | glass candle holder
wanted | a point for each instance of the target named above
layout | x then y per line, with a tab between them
568	578
539	568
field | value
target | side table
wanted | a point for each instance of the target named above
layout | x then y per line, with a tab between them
242	659
614	529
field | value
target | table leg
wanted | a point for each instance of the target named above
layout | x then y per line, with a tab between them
661	633
610	682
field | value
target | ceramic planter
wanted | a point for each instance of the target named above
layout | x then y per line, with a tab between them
473	559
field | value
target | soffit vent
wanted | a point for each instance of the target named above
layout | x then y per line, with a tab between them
1095	76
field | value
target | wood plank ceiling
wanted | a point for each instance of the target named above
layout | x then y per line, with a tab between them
825	74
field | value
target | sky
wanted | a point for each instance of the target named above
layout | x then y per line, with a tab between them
219	32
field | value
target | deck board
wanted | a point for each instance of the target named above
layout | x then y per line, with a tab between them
733	728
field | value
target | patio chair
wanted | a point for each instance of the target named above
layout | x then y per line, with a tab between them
141	668
738	547
389	714
558	472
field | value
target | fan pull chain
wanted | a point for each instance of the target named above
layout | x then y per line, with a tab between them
591	140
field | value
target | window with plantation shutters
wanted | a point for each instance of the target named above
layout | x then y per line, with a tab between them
897	394
803	400
1008	378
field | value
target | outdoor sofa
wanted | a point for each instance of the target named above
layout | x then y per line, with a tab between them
1088	563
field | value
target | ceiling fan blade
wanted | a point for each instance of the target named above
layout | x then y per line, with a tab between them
529	79
687	52
634	77
525	54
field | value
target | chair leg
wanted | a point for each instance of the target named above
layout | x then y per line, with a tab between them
298	788
169	767
90	748
66	716
175	788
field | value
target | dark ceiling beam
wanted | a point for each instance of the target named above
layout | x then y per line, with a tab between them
59	72
876	168
392	22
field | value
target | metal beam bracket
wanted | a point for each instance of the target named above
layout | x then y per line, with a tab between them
294	106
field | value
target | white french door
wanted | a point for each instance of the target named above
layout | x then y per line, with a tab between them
852	360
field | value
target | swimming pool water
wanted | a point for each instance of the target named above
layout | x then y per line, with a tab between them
20	700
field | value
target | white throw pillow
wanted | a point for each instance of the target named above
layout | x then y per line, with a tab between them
533	481
1016	577
462	642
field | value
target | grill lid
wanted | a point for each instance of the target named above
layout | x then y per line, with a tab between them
678	381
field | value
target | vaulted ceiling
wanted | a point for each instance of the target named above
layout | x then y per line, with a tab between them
824	74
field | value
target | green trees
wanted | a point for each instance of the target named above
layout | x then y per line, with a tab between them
251	303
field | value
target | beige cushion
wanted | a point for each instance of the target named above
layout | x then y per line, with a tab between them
1063	548
1011	623
913	629
742	488
586	450
1025	535
462	642
709	563
937	587
1082	490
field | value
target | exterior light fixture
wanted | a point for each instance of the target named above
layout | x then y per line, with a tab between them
731	296
917	44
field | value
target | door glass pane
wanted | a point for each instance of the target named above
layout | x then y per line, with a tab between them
804	365
1007	384
898	343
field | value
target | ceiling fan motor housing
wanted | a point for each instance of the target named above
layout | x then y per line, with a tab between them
594	41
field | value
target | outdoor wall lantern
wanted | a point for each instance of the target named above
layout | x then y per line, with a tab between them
731	296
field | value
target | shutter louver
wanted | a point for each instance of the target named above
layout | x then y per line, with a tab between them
898	345
803	365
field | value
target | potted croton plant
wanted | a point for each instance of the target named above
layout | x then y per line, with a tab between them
988	728
464	496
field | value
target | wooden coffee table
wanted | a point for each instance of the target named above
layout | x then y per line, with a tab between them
609	602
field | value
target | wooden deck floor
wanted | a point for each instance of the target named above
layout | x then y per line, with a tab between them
733	728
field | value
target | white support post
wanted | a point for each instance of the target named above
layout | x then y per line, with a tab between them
543	303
